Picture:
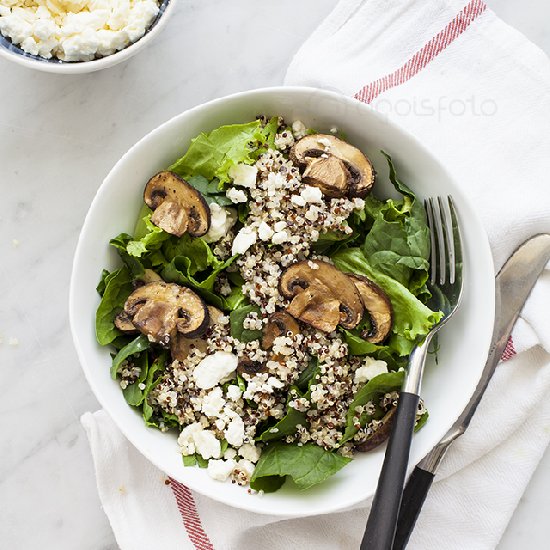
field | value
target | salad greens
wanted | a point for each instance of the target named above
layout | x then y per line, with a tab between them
389	244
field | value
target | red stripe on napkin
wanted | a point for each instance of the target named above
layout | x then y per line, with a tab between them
509	350
423	56
190	516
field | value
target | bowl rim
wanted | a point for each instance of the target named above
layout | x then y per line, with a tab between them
80	67
483	244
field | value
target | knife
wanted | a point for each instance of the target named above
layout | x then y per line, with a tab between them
513	285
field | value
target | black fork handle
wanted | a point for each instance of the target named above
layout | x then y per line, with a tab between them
381	525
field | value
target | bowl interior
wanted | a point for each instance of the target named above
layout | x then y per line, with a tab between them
464	342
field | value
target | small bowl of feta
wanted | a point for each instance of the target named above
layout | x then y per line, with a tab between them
78	36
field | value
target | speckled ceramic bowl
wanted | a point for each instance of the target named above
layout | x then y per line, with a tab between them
464	342
14	53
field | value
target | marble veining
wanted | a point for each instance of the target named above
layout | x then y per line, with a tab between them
59	136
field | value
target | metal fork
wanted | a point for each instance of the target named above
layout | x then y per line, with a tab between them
445	285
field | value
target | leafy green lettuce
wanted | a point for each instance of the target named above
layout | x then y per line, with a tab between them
236	319
376	387
115	288
212	155
306	465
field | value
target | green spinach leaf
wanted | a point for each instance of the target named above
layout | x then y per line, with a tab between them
134	347
237	317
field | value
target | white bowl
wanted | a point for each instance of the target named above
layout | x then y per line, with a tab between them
464	342
17	55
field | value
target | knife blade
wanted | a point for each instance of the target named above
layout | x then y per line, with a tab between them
513	285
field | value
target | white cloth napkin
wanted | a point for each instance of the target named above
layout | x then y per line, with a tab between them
477	93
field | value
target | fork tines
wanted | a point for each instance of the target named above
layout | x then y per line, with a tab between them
442	223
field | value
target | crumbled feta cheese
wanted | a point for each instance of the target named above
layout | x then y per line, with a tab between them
358	204
236	195
230	452
221	221
214	368
325	142
186	439
244	239
298	200
234	392
75	30
279	226
311	194
221	469
370	368
265	232
206	444
299	129
213	402
243	175
279	237
250	452
275	383
234	433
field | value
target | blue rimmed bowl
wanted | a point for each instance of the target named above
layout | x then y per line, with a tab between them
14	53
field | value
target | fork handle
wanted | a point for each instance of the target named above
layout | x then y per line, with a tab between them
380	531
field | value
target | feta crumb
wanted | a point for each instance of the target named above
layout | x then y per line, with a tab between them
243	175
312	194
213	402
230	452
265	232
220	470
279	226
234	433
280	237
358	204
299	129
236	195
244	239
206	444
298	200
249	451
186	439
333	130
234	392
214	368
370	368
221	221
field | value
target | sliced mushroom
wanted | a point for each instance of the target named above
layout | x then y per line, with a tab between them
329	174
160	309
124	323
178	206
359	171
278	324
331	296
246	366
378	307
379	435
181	346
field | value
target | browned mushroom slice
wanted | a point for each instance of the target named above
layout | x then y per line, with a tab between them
378	307
360	173
329	174
181	346
317	308
326	285
246	366
379	435
278	324
178	207
124	323
160	309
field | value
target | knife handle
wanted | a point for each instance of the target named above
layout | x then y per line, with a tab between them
414	496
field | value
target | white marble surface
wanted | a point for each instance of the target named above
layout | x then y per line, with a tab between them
59	136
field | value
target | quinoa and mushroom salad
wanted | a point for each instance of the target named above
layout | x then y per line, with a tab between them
267	303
